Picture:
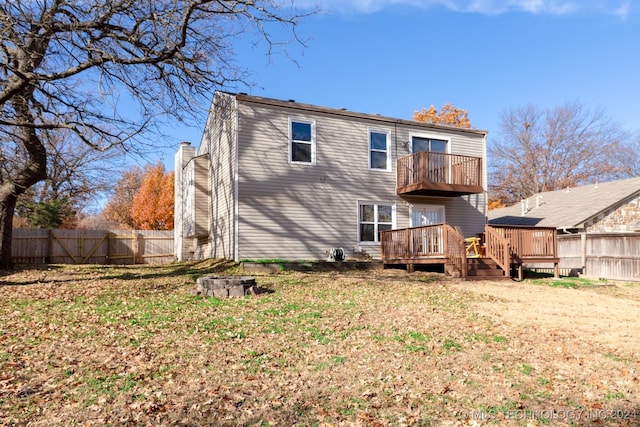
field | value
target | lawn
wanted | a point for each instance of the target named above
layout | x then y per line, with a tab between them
104	345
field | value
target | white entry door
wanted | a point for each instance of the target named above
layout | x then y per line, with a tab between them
426	215
430	241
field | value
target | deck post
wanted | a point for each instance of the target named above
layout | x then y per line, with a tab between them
410	268
520	272
556	270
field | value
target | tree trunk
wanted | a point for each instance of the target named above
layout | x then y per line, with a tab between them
7	207
34	169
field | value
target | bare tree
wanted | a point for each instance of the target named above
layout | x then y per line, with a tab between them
543	150
76	174
67	64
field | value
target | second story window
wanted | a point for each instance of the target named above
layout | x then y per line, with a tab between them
433	145
302	142
379	153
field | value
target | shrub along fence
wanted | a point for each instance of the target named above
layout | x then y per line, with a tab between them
37	246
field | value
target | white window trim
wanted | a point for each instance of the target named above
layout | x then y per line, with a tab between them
388	151
370	202
313	140
429	136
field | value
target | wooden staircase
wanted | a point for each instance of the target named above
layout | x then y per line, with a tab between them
484	269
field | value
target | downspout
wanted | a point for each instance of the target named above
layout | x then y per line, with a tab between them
395	160
236	204
485	182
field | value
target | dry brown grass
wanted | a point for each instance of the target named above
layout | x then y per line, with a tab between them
100	345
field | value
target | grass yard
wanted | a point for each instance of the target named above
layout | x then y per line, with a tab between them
105	345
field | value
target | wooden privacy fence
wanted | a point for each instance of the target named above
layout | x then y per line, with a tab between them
36	246
614	256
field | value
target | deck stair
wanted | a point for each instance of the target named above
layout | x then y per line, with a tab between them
484	269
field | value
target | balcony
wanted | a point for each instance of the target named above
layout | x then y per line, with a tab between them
439	174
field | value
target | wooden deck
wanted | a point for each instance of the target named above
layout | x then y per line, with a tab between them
526	245
439	174
428	244
506	246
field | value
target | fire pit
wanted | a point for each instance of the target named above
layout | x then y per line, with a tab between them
225	286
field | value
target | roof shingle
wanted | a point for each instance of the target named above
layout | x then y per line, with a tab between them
568	208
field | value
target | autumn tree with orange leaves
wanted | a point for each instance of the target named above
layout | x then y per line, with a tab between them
153	204
448	115
119	206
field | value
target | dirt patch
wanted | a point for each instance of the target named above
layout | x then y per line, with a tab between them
607	316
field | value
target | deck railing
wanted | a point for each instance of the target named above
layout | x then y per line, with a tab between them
413	243
439	168
529	242
424	243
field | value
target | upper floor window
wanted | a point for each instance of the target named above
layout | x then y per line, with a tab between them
379	152
302	141
419	143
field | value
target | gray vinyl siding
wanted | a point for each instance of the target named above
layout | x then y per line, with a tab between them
219	143
295	211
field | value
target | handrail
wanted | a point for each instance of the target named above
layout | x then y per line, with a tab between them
456	250
498	248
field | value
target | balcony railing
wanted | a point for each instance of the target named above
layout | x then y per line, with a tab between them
439	174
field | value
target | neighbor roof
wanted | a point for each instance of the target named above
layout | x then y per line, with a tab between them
568	208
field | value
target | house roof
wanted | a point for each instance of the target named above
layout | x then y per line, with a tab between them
347	113
569	208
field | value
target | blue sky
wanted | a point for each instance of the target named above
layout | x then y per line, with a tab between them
394	57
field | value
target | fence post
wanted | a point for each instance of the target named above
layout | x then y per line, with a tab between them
80	246
134	246
108	251
49	246
583	252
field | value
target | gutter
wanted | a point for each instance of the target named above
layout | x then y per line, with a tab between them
351	114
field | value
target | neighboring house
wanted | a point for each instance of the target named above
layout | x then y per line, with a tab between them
282	179
597	224
598	208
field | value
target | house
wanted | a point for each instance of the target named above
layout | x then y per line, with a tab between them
283	179
603	207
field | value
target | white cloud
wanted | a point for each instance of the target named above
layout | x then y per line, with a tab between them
620	8
624	10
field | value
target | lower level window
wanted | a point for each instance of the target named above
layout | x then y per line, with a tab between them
374	218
